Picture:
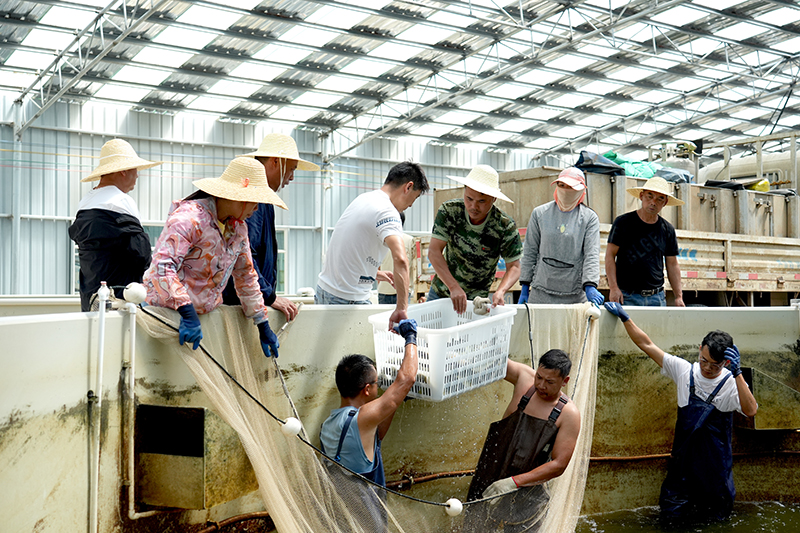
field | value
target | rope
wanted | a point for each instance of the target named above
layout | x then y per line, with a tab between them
302	439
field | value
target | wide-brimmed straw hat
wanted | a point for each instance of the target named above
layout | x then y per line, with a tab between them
117	155
657	185
245	180
283	146
573	177
483	179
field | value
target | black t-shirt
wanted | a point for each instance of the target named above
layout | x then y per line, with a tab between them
642	249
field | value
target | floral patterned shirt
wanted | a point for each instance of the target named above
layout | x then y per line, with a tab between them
193	260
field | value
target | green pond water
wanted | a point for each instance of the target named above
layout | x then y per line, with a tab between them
747	517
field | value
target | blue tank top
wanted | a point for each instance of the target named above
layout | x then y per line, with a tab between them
352	453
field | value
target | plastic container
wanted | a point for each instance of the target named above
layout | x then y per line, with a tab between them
456	353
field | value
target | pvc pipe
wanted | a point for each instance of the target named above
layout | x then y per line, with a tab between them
97	399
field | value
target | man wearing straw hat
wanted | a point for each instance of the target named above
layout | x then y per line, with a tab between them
112	244
468	238
204	243
639	244
278	153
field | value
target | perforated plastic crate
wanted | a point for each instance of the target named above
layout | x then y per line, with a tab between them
457	353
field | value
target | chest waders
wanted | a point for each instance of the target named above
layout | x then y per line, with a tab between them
514	445
699	483
362	499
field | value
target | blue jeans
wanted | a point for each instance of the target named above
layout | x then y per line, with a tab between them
656	300
432	296
323	297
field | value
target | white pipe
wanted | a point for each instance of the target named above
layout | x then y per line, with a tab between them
97	399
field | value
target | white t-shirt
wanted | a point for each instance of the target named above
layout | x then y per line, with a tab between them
726	400
109	198
356	249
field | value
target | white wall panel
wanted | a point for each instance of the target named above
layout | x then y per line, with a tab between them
62	147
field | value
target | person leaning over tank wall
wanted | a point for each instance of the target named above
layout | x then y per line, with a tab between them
368	227
112	244
386	291
561	260
278	153
531	444
469	236
203	243
699	482
639	244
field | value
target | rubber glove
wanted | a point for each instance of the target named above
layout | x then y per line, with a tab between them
732	355
524	294
616	309
593	295
189	329
501	486
269	341
408	330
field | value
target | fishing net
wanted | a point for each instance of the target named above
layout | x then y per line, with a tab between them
305	492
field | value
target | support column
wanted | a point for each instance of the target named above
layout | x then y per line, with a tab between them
15	263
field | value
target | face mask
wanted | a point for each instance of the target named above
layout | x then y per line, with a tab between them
568	199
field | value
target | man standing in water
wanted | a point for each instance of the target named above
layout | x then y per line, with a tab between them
699	483
533	443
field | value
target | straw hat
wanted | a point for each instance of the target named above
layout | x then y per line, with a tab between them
483	179
283	146
573	177
117	155
245	180
658	185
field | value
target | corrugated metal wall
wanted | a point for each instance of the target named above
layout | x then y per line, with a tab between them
63	145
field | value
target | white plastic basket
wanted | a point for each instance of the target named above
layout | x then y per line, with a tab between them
456	353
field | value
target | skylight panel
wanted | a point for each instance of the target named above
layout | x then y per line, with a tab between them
624	108
544	143
257	71
452	19
700	47
433	130
679	16
309	36
234	88
596	121
425	34
608	4
645	127
185	38
120	92
213	103
395	51
686	84
490	137
595	50
571	101
740	31
32	60
791	46
367	67
758	58
516	125
704	106
636	32
294	113
569	132
600	87
539	77
52	40
337	17
147	76
780	16
735	94
507	49
151	55
509	90
345	84
630	74
655	97
317	99
481	105
372	4
209	17
616	139
658	62
67	18
458	117
721	124
542	113
17	80
473	65
289	55
570	62
93	3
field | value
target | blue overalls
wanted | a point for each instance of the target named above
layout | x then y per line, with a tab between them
699	483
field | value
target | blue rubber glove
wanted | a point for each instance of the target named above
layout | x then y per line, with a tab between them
593	295
408	330
269	341
189	330
524	294
616	309
732	355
